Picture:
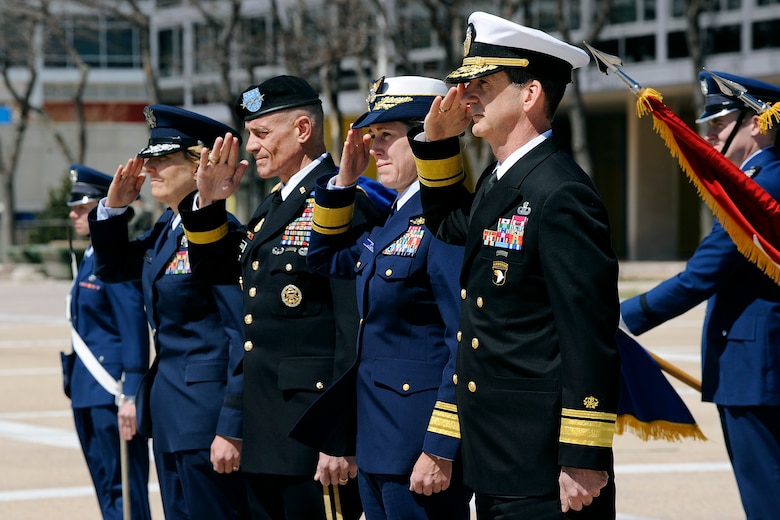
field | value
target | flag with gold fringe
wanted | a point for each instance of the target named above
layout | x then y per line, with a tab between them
649	407
746	211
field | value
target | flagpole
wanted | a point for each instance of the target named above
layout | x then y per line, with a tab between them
676	372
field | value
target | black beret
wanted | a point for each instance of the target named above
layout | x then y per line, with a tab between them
278	93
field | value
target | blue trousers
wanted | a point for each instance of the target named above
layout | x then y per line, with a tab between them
98	434
192	490
752	435
387	497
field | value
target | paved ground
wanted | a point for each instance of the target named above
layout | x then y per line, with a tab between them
44	476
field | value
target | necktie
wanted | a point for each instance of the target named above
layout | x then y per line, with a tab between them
486	186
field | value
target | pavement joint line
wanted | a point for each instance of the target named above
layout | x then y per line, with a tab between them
39	371
39	434
60	492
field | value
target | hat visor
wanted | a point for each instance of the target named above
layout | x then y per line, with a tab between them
78	198
466	73
160	149
407	112
707	115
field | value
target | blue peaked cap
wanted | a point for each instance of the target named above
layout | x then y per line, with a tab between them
717	104
173	129
89	185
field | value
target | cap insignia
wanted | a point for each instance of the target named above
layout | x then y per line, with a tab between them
470	35
252	100
74	175
388	102
376	86
151	120
704	87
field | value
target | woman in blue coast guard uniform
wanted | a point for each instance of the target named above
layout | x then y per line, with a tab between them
109	319
195	398
740	360
408	437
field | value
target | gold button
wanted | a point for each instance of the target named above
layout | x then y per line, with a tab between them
405	387
454	379
248	319
388	272
255	265
288	267
474	343
480	302
320	385
463	294
252	292
358	264
472	386
361	321
248	346
460	336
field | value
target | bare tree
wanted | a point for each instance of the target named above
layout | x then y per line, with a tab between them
22	50
577	115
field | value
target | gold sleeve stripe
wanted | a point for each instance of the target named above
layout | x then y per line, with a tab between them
206	237
444	420
440	173
331	221
588	414
449	407
587	432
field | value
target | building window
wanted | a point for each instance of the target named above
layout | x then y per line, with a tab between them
677	44
640	48
100	43
721	40
254	44
170	42
766	35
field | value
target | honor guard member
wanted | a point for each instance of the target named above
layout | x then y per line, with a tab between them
537	375
111	342
194	388
299	327
400	388
740	365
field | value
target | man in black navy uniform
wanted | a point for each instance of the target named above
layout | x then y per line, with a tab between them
299	328
740	361
537	372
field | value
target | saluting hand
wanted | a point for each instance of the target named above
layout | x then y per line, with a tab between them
448	116
219	171
354	157
126	186
430	475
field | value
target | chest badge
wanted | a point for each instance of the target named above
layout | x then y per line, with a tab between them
500	270
292	295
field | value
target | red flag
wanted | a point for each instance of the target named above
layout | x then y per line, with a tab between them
746	211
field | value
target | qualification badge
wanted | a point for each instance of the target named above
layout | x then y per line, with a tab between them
291	295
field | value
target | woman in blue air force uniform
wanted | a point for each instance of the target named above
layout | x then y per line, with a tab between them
109	319
407	289
195	399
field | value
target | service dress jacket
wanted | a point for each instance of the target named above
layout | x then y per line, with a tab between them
299	328
110	319
538	367
408	304
740	361
197	392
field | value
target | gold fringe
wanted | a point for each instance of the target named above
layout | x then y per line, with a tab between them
744	242
658	430
765	119
643	107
